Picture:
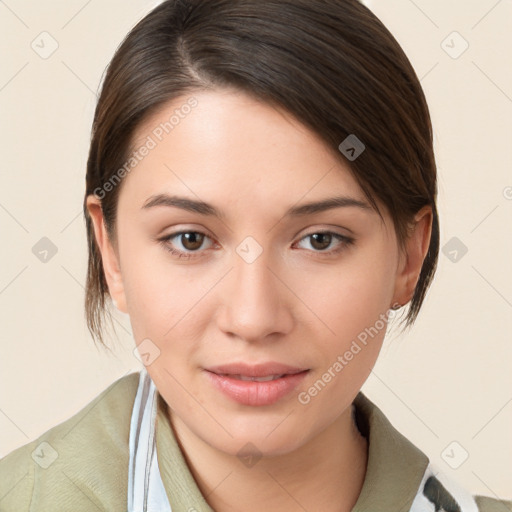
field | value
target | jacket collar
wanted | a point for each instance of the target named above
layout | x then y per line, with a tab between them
393	475
395	465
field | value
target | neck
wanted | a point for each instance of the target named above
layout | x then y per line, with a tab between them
326	473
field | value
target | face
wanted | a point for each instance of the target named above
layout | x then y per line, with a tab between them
257	283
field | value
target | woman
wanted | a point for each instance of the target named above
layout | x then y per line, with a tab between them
260	200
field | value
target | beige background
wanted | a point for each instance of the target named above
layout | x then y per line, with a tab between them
449	379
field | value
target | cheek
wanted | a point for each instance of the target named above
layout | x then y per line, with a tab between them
166	300
154	297
352	305
350	296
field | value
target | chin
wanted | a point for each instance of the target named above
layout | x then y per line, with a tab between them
259	440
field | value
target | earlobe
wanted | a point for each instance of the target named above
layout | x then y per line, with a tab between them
411	260
109	256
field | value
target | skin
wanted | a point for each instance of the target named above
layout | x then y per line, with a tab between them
294	304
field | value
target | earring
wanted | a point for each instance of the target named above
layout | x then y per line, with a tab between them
114	301
396	306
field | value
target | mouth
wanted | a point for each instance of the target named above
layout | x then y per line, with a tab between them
256	385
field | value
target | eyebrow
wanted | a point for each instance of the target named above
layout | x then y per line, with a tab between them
203	208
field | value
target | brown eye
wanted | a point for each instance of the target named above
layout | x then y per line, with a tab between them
320	241
185	244
192	240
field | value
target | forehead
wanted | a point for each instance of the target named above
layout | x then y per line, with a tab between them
231	147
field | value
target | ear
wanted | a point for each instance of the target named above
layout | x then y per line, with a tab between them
109	254
411	259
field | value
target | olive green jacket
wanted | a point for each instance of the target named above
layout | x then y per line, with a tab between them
82	464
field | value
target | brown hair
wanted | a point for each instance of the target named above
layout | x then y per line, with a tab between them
330	63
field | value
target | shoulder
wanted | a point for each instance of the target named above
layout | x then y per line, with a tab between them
487	504
79	462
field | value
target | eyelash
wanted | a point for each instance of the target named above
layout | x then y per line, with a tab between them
346	242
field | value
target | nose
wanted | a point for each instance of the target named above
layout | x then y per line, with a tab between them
255	302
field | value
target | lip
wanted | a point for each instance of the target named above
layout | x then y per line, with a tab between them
255	370
256	393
